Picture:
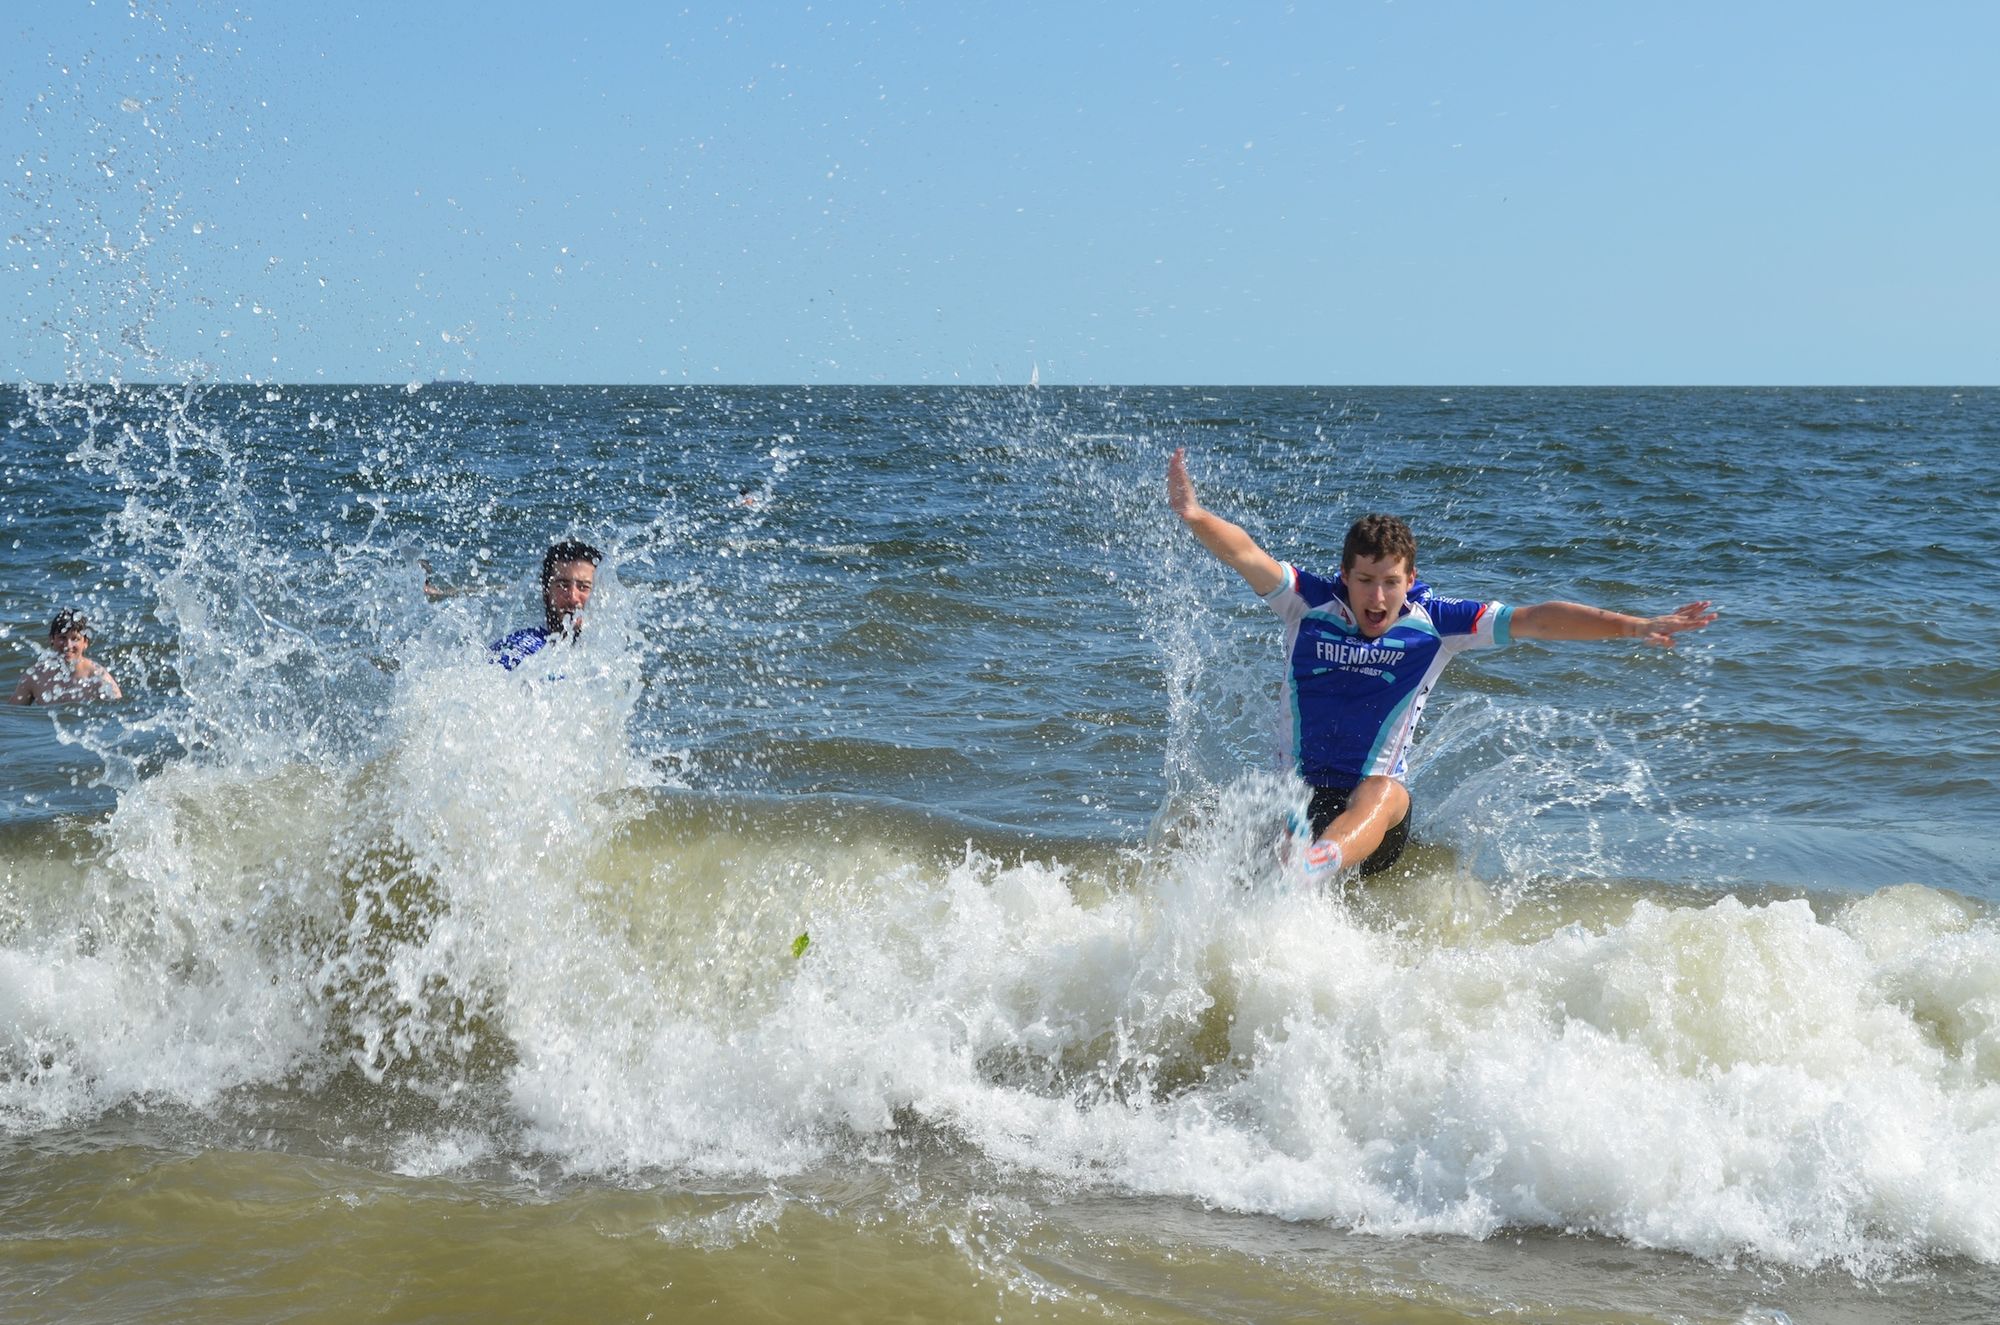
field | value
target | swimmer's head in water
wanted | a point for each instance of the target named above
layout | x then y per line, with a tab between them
69	633
569	576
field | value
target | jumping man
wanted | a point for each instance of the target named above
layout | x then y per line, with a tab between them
1363	651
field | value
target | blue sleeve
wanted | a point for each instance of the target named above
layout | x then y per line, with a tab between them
1469	616
1453	616
1317	590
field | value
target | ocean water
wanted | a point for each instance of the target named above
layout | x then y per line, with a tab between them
343	974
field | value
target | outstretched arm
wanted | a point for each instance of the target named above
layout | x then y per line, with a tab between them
1234	548
1574	621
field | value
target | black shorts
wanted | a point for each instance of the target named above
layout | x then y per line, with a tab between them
1325	807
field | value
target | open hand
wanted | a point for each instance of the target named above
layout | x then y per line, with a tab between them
1659	631
1180	488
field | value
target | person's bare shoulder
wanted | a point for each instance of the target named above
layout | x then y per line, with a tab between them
49	682
38	684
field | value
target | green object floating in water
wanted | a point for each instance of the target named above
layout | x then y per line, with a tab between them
800	944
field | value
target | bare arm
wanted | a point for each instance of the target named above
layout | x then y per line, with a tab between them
24	692
1231	546
1574	621
433	592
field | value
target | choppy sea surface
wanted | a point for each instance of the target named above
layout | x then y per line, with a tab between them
345	975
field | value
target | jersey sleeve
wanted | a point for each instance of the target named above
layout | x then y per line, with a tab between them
1298	593
1469	623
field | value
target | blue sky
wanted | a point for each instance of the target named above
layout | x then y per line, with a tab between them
1159	193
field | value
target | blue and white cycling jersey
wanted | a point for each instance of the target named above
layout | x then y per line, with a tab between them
1352	703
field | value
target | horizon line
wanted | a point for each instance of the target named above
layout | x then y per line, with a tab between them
414	385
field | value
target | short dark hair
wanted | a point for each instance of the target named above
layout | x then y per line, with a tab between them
564	552
68	621
1379	536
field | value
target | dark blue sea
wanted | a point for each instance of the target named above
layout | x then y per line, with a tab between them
876	911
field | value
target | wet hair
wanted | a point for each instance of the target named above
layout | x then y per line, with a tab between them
1379	536
564	552
68	621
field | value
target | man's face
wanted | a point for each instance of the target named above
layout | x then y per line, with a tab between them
567	590
70	645
1376	588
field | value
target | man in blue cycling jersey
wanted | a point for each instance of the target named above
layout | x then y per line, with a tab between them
569	575
1364	649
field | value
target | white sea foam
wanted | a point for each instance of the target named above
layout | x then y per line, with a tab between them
1723	1079
427	1156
